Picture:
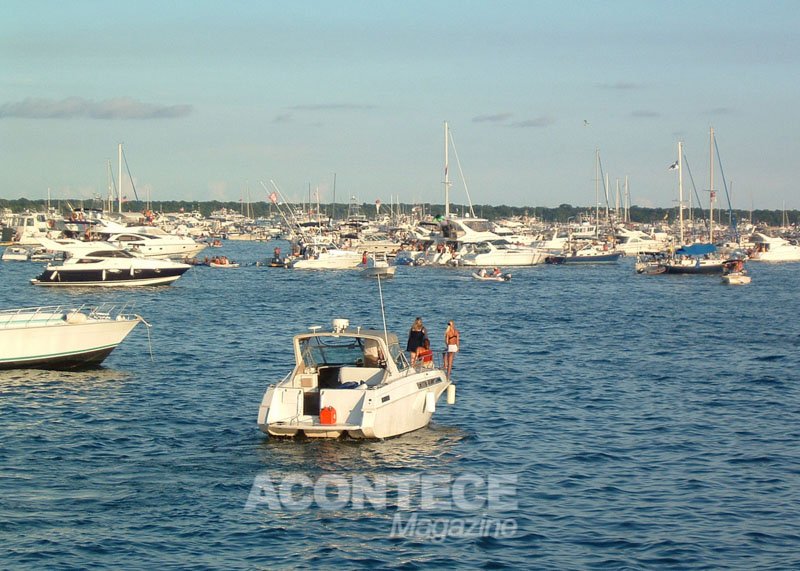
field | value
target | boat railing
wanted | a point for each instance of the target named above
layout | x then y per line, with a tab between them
48	314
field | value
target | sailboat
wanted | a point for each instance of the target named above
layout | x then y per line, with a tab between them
700	258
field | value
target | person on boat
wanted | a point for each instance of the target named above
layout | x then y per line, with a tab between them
416	339
425	355
452	340
497	272
482	273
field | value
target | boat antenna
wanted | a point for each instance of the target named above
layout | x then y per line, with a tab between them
383	312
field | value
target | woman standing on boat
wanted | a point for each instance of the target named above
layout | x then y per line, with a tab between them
416	339
452	339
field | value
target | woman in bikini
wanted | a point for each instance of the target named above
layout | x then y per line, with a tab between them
452	339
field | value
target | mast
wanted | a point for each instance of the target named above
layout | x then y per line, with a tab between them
711	186
446	173
119	190
596	192
680	187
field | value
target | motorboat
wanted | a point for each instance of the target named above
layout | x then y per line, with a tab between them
57	337
588	254
16	254
104	265
500	252
491	277
377	265
734	273
319	256
772	249
222	262
632	242
352	381
149	241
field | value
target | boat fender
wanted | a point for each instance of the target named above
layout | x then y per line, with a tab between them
327	415
451	394
430	402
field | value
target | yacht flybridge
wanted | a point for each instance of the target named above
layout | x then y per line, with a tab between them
352	381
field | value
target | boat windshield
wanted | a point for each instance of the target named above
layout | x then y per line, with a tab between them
317	351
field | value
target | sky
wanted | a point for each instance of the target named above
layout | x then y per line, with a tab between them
215	100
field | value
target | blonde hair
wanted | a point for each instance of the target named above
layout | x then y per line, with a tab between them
417	324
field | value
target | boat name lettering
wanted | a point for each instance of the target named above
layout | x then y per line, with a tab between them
428	382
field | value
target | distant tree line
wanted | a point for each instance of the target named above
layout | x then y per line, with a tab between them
562	213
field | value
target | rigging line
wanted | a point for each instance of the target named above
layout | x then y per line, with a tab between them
461	173
130	177
727	195
603	179
694	188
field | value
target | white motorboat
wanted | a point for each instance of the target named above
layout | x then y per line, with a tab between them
351	381
16	254
492	253
491	277
326	257
104	265
734	273
772	249
61	338
377	265
149	241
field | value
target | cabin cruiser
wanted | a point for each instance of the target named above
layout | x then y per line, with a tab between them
102	264
321	256
588	253
632	242
502	253
149	241
771	249
377	266
351	381
457	237
57	337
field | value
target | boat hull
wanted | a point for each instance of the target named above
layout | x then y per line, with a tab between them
54	342
61	277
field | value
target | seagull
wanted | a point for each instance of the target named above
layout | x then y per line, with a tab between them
585	123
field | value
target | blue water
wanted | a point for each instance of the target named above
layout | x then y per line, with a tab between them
651	422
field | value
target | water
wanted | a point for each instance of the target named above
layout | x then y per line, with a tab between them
651	421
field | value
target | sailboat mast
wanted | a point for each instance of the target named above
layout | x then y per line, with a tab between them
119	190
446	172
596	192
680	187
711	186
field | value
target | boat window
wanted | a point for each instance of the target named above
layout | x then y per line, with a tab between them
478	225
111	254
319	351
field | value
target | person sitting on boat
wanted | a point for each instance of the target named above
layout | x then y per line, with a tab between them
372	354
425	355
482	273
497	272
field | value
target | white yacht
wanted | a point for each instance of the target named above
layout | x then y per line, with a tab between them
326	257
771	249
149	241
16	254
61	338
633	242
502	253
103	264
351	381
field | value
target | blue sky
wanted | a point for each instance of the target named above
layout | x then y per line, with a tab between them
209	98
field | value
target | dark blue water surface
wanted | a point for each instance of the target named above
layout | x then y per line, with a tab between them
651	422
